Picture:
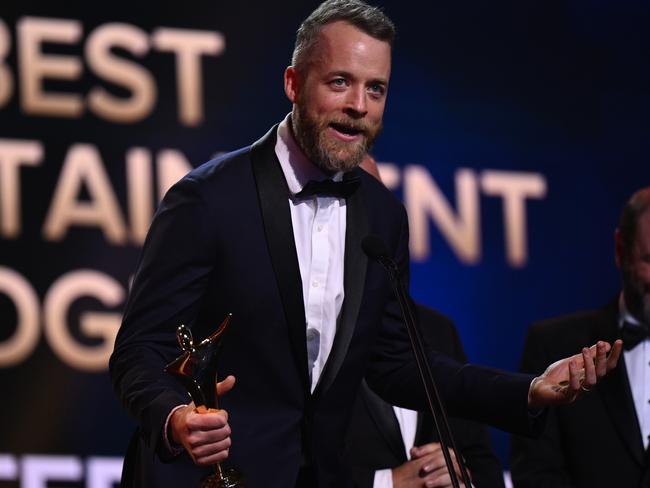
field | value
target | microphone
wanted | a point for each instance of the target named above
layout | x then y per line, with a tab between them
375	249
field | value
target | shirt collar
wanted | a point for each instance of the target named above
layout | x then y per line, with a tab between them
297	168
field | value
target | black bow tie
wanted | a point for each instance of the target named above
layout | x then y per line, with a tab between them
330	188
633	334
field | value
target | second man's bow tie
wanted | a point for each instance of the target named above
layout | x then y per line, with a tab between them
330	188
633	334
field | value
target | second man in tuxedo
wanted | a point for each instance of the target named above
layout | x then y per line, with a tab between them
617	413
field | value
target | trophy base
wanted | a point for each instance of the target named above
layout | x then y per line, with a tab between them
230	478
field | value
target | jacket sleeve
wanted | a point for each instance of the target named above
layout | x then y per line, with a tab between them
483	394
169	284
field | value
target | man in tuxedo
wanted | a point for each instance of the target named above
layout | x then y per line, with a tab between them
259	234
617	413
380	437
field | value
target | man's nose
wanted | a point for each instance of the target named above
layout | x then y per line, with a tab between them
356	102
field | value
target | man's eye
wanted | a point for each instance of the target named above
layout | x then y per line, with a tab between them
377	89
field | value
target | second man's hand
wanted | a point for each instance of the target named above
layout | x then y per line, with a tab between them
427	468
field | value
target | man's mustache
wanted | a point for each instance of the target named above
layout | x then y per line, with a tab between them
351	124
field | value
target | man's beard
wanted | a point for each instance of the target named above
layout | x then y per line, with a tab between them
637	295
329	154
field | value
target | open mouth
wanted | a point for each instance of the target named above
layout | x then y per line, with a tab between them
347	131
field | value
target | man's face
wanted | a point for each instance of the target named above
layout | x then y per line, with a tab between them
635	270
339	98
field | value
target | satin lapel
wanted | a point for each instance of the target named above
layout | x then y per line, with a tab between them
276	215
615	391
384	418
354	277
423	431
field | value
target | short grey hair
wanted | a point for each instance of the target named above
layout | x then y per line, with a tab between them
366	18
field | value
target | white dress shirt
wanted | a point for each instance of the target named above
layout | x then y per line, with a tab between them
637	362
319	234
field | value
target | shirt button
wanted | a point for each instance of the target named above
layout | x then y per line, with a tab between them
319	228
314	284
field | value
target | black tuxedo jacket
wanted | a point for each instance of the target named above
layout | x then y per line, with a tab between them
374	440
597	441
222	242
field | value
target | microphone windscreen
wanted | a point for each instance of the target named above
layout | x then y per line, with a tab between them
374	247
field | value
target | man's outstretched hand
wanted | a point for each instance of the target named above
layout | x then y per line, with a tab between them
205	434
565	379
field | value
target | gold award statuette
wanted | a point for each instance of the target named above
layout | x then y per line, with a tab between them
196	369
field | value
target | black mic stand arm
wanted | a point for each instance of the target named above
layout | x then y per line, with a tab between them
433	398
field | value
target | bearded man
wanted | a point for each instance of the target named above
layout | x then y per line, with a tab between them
618	411
272	233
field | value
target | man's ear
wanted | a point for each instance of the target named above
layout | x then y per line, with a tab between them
291	83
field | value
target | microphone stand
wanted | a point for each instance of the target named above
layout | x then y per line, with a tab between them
433	398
